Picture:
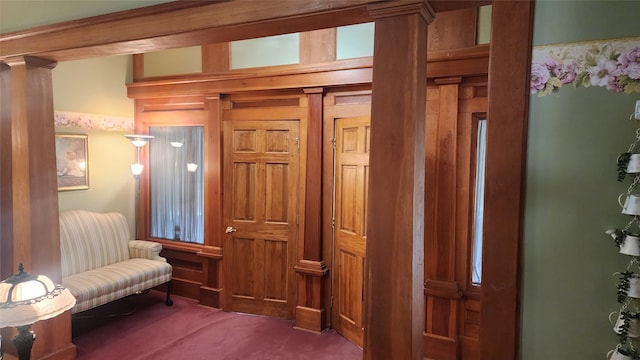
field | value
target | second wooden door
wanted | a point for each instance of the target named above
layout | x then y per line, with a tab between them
350	202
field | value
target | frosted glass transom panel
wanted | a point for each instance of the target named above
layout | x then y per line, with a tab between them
354	41
266	51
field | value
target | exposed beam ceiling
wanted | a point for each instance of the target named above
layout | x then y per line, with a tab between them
200	22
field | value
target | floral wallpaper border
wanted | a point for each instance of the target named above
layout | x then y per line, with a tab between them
613	64
92	121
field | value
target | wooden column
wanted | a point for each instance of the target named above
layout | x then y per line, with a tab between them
442	291
30	226
510	62
6	191
394	302
211	289
310	310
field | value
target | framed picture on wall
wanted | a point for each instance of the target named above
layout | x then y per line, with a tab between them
71	162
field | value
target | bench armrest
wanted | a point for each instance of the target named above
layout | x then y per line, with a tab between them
145	249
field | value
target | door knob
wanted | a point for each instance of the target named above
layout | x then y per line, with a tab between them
230	229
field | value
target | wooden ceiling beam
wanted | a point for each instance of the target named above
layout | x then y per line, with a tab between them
155	27
178	24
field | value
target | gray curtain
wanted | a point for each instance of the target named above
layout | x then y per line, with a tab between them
177	194
481	151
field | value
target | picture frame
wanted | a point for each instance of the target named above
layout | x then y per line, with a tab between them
72	159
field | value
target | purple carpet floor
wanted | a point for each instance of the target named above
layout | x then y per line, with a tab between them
142	327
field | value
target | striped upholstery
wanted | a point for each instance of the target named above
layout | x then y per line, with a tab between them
101	264
145	249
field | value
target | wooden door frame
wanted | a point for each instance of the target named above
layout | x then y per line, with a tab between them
153	28
330	113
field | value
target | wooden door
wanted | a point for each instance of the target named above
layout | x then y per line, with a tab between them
350	201
261	161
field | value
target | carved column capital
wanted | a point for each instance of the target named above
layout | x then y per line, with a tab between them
388	9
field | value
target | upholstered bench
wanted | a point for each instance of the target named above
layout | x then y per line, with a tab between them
101	264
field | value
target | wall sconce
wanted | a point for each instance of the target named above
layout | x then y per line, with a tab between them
26	299
138	141
192	167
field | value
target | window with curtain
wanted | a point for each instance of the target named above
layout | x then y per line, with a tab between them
176	183
478	207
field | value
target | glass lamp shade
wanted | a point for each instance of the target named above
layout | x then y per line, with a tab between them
139	140
191	167
136	169
26	299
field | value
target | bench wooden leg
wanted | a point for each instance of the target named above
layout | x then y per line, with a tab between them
168	301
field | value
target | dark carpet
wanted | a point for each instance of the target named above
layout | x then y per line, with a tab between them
143	327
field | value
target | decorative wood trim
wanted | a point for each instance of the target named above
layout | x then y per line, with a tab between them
215	57
311	268
312	238
386	10
454	80
443	289
285	77
213	175
310	319
318	46
440	64
138	66
211	297
440	36
211	252
179	246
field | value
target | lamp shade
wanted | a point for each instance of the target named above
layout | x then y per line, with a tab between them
139	140
26	299
136	169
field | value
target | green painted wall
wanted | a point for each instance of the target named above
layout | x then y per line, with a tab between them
111	185
173	61
575	136
97	86
94	86
484	25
